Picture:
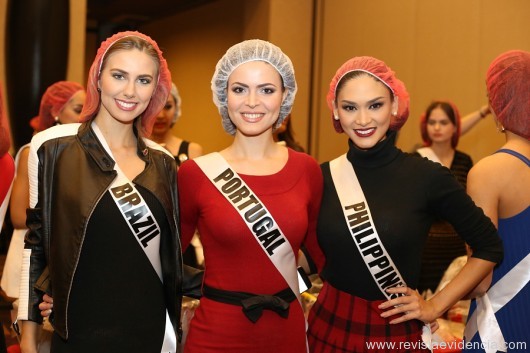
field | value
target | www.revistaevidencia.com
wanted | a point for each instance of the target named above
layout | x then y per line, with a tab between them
445	345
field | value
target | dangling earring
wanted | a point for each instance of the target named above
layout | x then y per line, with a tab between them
335	116
394	114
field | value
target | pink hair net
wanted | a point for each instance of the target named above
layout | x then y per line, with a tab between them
159	98
447	107
382	72
508	84
52	102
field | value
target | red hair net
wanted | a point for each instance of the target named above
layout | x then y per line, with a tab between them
159	98
448	107
52	102
508	84
383	73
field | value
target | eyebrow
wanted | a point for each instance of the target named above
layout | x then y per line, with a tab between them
127	73
369	102
259	86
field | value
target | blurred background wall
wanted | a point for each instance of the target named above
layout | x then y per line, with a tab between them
440	49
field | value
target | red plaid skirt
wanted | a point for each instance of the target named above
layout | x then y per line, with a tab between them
340	322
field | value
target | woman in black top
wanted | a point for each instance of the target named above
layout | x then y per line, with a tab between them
404	194
440	127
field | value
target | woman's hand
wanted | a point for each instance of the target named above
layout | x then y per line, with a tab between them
410	304
46	306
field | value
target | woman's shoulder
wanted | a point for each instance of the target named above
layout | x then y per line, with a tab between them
303	164
54	132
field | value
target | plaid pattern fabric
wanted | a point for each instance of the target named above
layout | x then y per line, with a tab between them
340	322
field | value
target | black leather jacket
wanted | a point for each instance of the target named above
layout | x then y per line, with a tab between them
74	171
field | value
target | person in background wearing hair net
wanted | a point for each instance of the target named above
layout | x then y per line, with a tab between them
61	103
6	163
499	184
7	174
182	150
377	206
440	130
104	214
257	211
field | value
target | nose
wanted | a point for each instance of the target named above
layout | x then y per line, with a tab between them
363	117
252	100
129	90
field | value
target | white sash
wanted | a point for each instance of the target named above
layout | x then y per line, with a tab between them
483	318
362	229
428	153
142	224
360	223
255	215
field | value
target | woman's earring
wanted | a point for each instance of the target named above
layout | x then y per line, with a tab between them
99	90
394	114
56	119
335	116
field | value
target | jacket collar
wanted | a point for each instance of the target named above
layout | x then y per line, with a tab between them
90	142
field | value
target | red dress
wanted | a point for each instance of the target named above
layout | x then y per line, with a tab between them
7	168
234	261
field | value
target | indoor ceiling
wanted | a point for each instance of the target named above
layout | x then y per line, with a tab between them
136	12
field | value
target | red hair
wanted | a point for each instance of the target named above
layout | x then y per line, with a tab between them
129	40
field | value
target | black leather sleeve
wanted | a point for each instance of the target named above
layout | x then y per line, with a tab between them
33	241
192	282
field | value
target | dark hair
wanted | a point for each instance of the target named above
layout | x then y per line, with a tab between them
288	137
452	113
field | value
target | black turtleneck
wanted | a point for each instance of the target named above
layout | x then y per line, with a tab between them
405	194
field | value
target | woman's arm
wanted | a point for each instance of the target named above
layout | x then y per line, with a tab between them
413	306
470	120
20	194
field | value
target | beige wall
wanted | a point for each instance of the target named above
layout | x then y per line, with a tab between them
440	49
195	40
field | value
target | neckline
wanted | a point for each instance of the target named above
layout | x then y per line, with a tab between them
383	153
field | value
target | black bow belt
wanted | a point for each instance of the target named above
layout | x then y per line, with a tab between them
253	304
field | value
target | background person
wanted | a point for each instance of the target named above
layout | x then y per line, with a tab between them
182	150
440	127
499	184
61	103
7	173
